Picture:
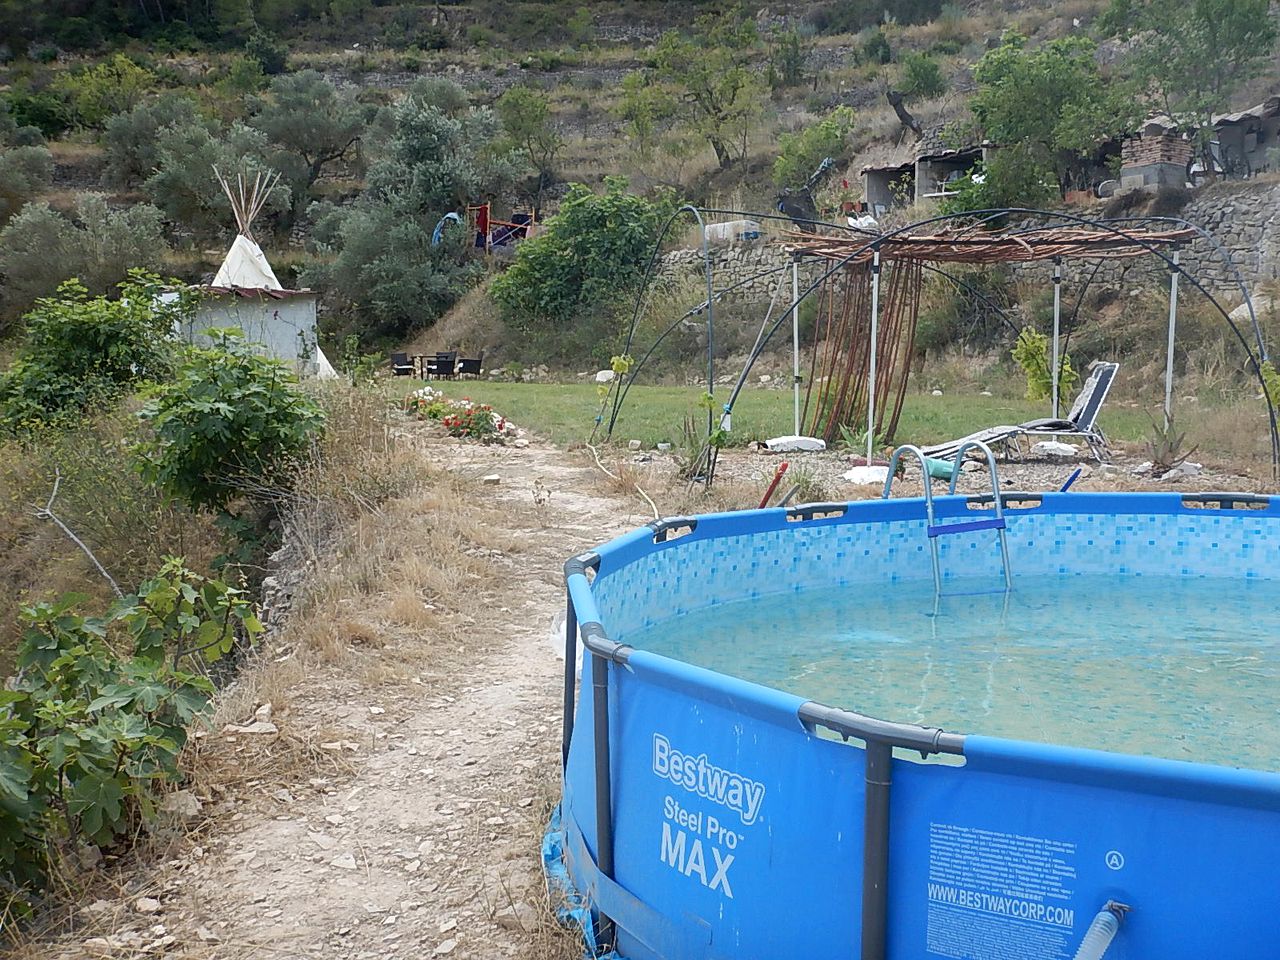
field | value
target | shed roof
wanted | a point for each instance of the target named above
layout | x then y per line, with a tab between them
249	293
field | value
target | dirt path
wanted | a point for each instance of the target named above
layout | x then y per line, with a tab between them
429	847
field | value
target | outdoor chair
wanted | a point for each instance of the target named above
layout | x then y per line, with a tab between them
441	366
1081	421
401	365
470	367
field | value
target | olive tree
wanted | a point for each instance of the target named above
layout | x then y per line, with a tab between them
381	268
306	116
24	173
183	184
40	248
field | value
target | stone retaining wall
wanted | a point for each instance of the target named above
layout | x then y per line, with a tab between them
1244	217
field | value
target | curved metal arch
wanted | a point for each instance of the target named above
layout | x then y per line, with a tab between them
692	311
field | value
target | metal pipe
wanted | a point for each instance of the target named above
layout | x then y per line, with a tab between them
871	366
875	850
795	340
570	677
711	363
1173	326
604	785
1057	317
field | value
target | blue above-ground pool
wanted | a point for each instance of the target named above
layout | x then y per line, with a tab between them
716	806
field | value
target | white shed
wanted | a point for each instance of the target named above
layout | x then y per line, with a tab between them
246	294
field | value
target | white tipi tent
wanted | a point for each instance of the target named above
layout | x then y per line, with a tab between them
246	293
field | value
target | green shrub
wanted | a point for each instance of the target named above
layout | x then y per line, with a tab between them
81	351
269	51
42	109
97	93
230	421
89	738
307	117
526	117
921	77
1031	353
787	55
875	49
802	152
585	258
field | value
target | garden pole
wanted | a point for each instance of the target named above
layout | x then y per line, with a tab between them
1057	318
1173	325
795	339
871	365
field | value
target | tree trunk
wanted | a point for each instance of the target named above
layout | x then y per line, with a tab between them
904	116
723	157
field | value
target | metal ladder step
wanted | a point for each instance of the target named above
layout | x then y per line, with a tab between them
934	529
965	526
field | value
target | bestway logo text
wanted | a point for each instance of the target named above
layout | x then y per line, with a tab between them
732	790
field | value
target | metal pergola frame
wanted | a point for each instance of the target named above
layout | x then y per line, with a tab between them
1060	235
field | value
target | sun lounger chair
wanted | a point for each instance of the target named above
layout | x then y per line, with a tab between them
1082	421
401	365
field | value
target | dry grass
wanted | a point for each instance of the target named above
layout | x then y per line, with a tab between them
471	326
128	525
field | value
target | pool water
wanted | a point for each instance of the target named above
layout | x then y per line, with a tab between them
1173	667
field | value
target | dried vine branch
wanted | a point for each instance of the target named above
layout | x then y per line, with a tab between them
46	513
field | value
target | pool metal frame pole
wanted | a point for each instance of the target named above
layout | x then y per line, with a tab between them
604	784
875	850
795	340
1174	270
1057	319
871	364
570	676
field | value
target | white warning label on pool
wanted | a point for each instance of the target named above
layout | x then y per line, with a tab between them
999	896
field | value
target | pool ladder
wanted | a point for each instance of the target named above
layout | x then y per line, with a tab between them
933	528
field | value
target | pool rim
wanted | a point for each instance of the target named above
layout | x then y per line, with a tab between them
1109	769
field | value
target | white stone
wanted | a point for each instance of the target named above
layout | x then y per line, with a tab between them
867	476
794	444
257	727
344	862
1052	448
605	376
634	444
935	393
1181	471
765	378
520	444
446	948
491	479
181	803
518	916
147	905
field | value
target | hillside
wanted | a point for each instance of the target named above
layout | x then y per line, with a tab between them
103	85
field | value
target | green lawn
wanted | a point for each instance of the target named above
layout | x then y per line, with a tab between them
565	412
